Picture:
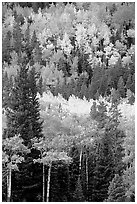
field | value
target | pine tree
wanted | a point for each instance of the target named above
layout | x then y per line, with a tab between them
83	91
103	171
27	44
40	86
33	40
17	38
78	194
133	84
115	95
23	115
115	138
116	191
23	118
129	82
35	123
121	87
6	89
37	54
6	47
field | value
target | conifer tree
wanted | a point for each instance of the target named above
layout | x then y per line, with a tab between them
6	88
78	194
121	87
37	54
17	38
83	91
33	40
36	124
129	82
103	172
23	115
6	47
40	86
133	84
115	138
116	191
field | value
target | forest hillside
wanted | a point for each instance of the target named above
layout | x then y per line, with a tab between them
68	102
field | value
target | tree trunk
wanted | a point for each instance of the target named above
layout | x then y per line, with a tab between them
87	174
48	182
9	186
80	161
43	199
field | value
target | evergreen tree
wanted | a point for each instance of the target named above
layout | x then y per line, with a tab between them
121	87
33	40
17	38
23	115
23	118
116	191
72	85
6	89
6	47
83	91
34	113
103	171
129	82
27	44
133	84
115	96
37	54
40	86
130	96
78	194
115	138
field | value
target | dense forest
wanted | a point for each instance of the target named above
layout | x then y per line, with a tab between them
68	102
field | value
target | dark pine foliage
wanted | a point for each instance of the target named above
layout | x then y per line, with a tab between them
116	192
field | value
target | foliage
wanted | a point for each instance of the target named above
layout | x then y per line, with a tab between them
68	73
74	44
128	125
78	194
116	192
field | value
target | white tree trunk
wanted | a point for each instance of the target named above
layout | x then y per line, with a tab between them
48	182
87	174
43	199
80	161
9	186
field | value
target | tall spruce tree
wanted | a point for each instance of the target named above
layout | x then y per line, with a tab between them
17	38
23	113
116	191
6	47
35	123
23	118
78	194
121	87
103	171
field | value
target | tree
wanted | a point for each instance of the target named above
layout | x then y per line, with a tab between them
13	154
129	81
83	91
48	157
6	89
23	118
116	191
6	47
17	38
121	87
40	86
23	113
128	125
78	194
103	171
34	112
